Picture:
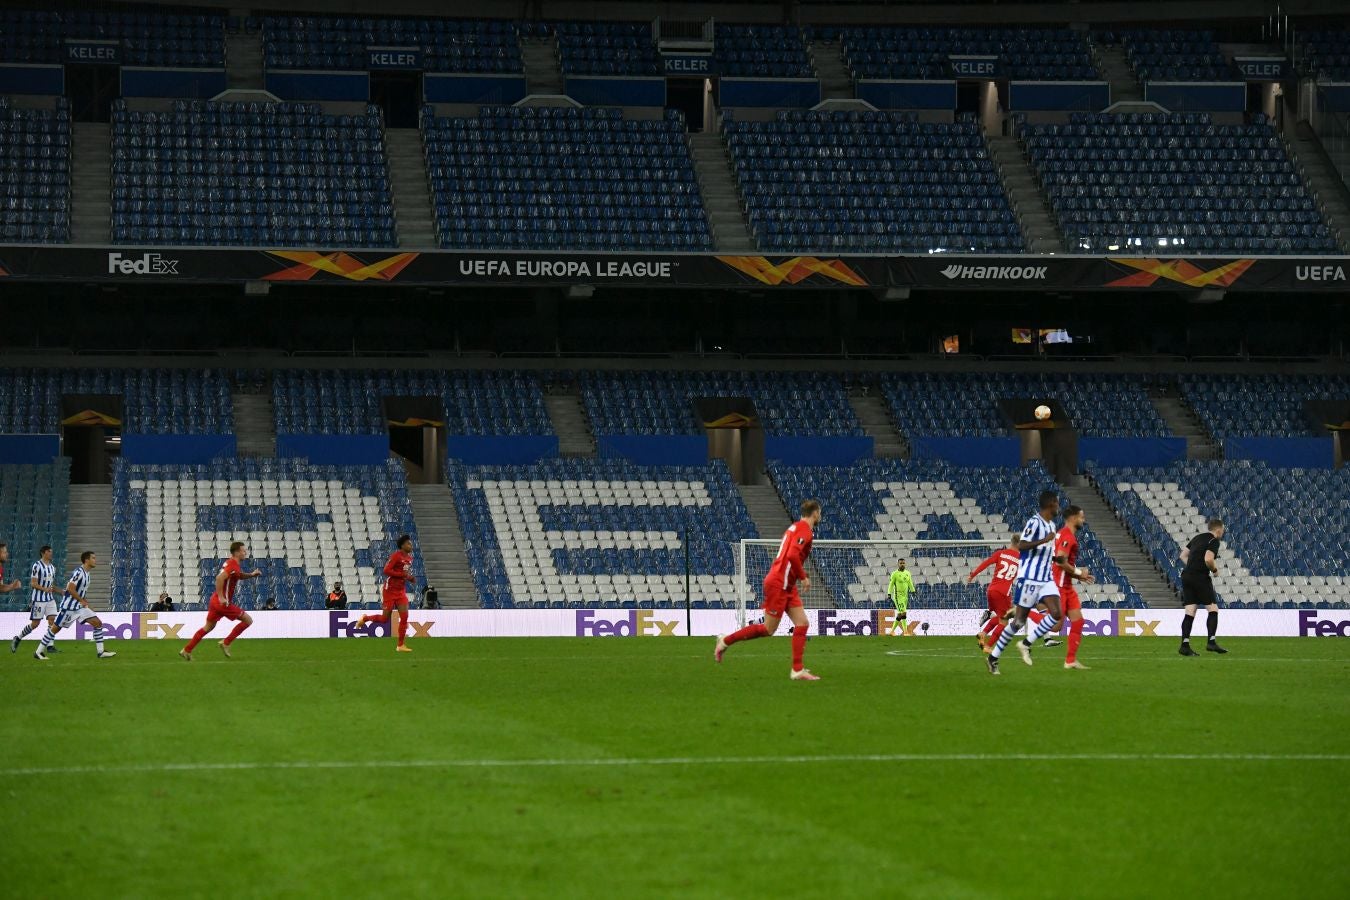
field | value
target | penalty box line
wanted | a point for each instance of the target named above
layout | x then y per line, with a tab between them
664	761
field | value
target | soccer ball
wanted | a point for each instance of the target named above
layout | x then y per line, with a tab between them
1042	412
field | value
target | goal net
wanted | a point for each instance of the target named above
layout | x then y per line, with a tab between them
856	574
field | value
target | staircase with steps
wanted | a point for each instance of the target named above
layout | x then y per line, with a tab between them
441	544
1184	422
540	56
255	425
1133	561
91	183
410	187
570	422
1115	68
1029	205
90	529
721	194
771	519
1329	190
875	416
244	61
828	61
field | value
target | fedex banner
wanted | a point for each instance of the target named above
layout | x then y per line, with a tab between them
671	623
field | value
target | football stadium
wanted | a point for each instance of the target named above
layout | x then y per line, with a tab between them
582	448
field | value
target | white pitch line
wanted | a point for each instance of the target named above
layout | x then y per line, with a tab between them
689	761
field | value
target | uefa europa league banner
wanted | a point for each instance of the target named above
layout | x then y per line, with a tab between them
1123	623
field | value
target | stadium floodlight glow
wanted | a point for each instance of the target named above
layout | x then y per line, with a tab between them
1112	246
1162	242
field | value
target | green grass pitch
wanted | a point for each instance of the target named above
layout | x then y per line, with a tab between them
514	768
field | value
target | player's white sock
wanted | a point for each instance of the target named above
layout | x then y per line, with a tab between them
48	639
98	639
27	630
1005	639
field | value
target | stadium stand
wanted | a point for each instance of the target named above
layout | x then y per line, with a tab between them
154	401
305	525
787	403
1174	55
191	40
1259	405
34	506
603	48
870	182
1024	54
1155	180
35	174
250	173
340	401
447	45
966	404
1289	529
919	500
764	51
574	533
1326	54
555	177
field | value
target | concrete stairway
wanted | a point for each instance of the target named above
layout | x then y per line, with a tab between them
441	544
771	519
1029	205
721	194
1115	68
244	61
828	61
410	187
255	425
91	183
1184	422
1329	191
540	56
1136	565
875	415
570	422
91	529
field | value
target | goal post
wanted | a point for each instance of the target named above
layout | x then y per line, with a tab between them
855	574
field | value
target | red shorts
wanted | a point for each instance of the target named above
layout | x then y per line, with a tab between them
777	600
392	600
1068	599
1000	600
215	610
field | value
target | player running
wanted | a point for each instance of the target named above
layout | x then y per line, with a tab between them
1067	572
222	605
42	600
782	594
1197	588
398	575
75	610
999	593
899	590
1035	582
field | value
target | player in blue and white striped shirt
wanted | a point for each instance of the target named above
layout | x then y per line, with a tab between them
1035	581
75	609
42	598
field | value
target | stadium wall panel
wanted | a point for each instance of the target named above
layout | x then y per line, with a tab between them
1152	451
176	449
907	94
1282	452
1080	96
609	90
1336	97
1180	96
655	449
768	92
500	450
336	449
1000	452
29	449
201	84
25	79
453	88
304	85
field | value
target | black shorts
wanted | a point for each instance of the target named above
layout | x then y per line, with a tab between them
1198	592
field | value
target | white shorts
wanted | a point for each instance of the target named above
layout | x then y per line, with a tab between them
42	609
74	617
1029	593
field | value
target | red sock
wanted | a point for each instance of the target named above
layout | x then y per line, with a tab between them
1075	638
798	646
998	630
402	628
382	617
1034	617
238	630
748	633
196	639
990	624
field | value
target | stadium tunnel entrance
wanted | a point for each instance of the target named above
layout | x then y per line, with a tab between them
416	428
91	90
1054	441
399	94
734	435
694	98
91	435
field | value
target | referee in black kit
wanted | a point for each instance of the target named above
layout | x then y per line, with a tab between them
1197	588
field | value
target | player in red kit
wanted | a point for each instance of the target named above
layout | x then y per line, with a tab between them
398	575
1066	573
781	592
222	605
999	593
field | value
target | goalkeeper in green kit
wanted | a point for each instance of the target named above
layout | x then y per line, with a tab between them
899	590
